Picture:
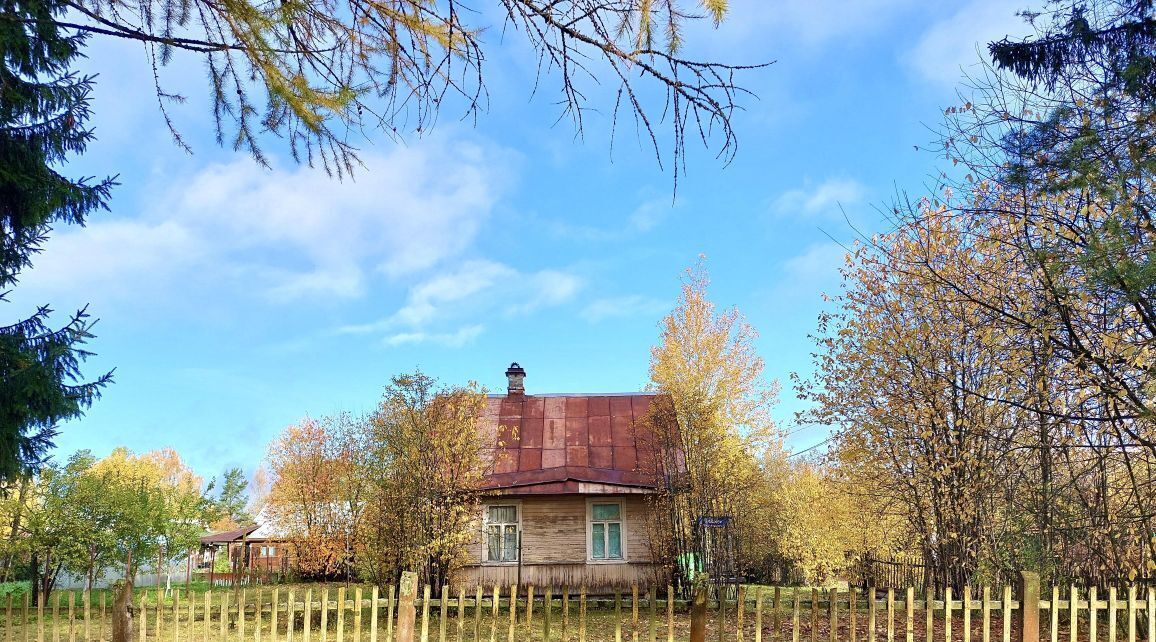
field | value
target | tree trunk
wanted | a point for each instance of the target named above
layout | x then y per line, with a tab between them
35	580
122	611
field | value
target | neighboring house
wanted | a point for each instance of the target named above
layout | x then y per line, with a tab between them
253	550
567	499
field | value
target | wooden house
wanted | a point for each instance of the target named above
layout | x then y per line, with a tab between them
568	496
255	551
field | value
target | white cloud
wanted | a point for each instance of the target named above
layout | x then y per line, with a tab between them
455	339
647	216
957	44
825	198
288	233
474	289
819	263
623	306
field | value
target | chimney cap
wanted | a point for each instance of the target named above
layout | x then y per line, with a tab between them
515	369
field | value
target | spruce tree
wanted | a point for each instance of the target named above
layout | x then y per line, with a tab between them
43	110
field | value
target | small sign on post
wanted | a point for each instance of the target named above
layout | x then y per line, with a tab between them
714	522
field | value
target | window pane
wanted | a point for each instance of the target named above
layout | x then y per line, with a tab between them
598	541
503	514
510	554
494	544
606	511
614	540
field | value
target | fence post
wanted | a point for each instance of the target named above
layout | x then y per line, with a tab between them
406	593
1029	615
698	608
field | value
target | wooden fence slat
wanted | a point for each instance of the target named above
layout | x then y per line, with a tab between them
775	603
425	613
273	604
967	613
307	614
852	616
494	616
513	615
24	613
1073	612
530	611
142	623
176	616
258	614
617	616
1132	613
833	613
582	615
72	618
10	626
814	614
929	615
1005	604
56	616
445	602
795	619
478	614
890	614
566	613
159	612
389	597
1151	613
669	613
341	613
358	596
909	607
650	598
947	614
374	594
633	613
759	614
986	606
461	616
324	632
871	616
224	617
740	607
1093	612
547	608
241	602
1112	606
41	598
1054	614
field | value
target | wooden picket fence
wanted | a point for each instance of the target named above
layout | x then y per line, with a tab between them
757	614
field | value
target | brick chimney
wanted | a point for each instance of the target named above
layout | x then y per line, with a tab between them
514	377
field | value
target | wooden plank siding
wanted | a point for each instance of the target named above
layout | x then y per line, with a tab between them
554	548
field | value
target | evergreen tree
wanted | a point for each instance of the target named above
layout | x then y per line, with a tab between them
43	109
1117	36
234	497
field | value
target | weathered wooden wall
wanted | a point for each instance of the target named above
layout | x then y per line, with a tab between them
554	547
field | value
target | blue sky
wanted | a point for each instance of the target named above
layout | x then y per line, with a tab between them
235	300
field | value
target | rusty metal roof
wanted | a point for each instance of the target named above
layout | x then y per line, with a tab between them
554	443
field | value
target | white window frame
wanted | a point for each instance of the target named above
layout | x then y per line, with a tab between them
590	502
485	549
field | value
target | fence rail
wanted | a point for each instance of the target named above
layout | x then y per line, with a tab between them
564	614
